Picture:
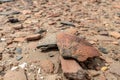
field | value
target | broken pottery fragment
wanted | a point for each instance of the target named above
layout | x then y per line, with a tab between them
71	46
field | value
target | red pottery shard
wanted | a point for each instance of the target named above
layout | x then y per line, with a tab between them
71	46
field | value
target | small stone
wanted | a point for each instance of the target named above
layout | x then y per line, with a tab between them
67	23
33	37
19	39
13	20
5	0
17	26
105	33
18	50
40	31
15	75
115	34
3	39
103	50
18	58
47	66
104	68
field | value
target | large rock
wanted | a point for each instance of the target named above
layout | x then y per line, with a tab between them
71	46
72	70
15	75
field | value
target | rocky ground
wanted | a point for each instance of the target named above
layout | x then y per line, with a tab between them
59	40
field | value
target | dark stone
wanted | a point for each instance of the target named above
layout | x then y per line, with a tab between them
103	50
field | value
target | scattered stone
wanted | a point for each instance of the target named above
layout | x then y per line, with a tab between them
47	66
1	1
18	50
72	70
9	12
115	68
71	46
48	42
105	33
19	57
13	20
40	31
33	37
17	26
67	23
3	39
15	75
19	39
103	50
115	34
104	68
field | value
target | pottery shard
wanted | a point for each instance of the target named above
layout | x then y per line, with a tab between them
72	70
71	46
33	37
15	75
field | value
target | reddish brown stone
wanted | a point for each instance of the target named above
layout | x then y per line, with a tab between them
71	46
33	37
19	39
72	70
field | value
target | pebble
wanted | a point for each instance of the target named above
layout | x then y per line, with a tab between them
17	26
18	50
19	39
105	33
115	34
103	50
18	58
67	23
33	37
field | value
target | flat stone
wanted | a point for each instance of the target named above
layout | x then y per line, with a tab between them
114	34
72	70
15	75
18	50
19	57
48	42
33	37
19	39
71	46
17	26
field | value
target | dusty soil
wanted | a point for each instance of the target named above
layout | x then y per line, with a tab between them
26	23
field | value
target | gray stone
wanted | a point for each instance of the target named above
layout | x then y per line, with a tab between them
19	57
48	42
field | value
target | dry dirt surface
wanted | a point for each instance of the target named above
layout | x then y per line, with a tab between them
32	47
